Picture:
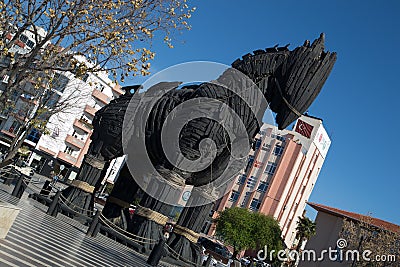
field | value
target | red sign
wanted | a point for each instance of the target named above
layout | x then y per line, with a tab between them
304	128
257	164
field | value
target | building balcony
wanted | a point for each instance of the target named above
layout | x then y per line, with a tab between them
102	97
117	89
83	126
66	157
74	141
8	133
20	116
90	110
48	151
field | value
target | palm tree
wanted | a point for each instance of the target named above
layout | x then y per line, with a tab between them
305	229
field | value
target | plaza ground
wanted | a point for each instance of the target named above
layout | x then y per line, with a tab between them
37	239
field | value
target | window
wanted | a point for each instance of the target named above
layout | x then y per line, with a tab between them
101	87
271	167
278	150
68	150
60	82
245	199
22	112
249	163
5	78
257	144
255	204
34	136
14	127
266	147
281	138
85	77
234	196
53	100
262	132
23	38
50	98
30	44
56	132
15	96
242	179
251	159
251	182
262	187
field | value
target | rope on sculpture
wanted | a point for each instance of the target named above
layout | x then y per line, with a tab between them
83	186
151	215
9	178
119	202
190	235
3	173
117	228
37	187
94	162
28	186
173	179
179	257
33	183
68	203
295	111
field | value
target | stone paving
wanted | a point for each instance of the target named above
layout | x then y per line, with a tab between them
37	239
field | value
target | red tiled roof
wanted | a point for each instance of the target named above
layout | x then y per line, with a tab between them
355	216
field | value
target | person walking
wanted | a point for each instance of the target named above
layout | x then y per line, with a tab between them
54	178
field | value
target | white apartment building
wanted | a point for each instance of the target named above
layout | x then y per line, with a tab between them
70	130
68	133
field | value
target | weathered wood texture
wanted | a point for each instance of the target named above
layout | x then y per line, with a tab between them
192	218
122	195
146	227
78	199
291	80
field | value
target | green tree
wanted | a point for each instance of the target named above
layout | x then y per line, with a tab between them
234	226
266	232
78	36
244	230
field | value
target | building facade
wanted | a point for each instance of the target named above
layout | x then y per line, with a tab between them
73	101
69	131
282	170
330	223
21	104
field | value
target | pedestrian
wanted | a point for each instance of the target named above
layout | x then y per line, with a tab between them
55	179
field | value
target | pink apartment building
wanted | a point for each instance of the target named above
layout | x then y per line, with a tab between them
281	173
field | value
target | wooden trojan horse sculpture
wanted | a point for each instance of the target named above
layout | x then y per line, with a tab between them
289	81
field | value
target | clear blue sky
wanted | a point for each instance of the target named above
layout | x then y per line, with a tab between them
360	101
